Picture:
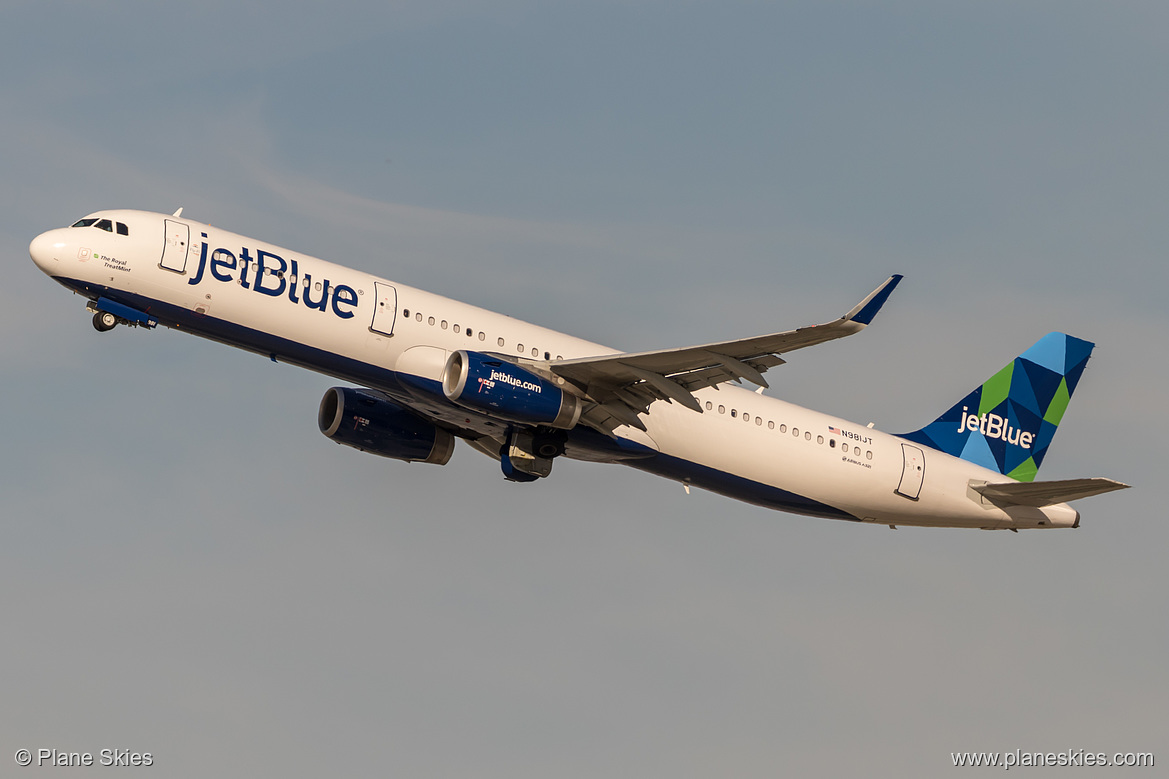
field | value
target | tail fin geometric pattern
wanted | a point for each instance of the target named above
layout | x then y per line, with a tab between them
1007	424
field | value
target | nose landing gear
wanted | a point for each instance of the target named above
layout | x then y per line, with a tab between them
108	314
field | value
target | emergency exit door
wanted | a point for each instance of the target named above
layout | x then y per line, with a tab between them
385	308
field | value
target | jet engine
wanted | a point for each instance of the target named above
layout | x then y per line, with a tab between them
368	422
502	389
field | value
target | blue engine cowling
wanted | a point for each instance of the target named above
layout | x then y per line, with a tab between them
367	421
505	390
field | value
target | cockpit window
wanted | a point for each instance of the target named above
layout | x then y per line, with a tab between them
104	224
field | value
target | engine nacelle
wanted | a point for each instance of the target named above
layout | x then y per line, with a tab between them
370	423
505	390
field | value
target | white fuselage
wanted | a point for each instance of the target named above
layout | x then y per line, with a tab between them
388	336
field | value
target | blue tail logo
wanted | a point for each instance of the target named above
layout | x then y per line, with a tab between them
1007	424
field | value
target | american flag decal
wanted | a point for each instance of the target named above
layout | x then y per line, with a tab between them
832	429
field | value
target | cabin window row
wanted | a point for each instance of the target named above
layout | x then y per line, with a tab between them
758	420
472	333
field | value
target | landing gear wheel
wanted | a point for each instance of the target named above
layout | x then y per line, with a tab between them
549	444
103	321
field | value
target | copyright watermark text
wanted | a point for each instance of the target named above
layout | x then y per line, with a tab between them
1069	758
60	758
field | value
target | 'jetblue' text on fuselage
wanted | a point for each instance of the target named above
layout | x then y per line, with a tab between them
272	275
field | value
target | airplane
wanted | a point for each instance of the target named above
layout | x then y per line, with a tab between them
429	370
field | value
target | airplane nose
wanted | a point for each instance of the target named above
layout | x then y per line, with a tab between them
44	251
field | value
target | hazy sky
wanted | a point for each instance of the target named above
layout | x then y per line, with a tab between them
188	568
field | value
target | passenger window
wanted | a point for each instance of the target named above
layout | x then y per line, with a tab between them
430	321
783	428
734	413
796	432
758	421
535	352
500	342
519	348
819	439
807	435
547	356
722	409
482	336
832	443
869	455
709	405
770	425
406	313
106	225
457	329
122	229
418	317
443	324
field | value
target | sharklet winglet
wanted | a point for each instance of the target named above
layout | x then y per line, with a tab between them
864	311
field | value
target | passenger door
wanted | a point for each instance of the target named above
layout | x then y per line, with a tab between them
174	251
912	472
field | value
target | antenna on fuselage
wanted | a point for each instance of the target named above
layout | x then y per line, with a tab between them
179	212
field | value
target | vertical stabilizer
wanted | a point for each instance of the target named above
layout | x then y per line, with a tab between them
1007	424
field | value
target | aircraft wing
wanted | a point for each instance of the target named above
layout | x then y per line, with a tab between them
1046	493
624	385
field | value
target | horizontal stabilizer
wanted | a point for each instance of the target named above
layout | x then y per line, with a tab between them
1045	493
